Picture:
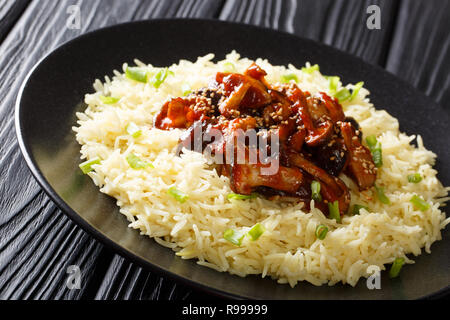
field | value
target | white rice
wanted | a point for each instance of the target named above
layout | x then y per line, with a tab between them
288	250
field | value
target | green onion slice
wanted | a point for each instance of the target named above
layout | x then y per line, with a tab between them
377	157
311	69
375	149
229	67
315	190
109	100
357	207
136	163
371	141
381	196
87	165
186	89
396	267
233	236
286	78
419	203
333	209
414	178
137	74
133	130
256	231
159	78
343	95
180	196
333	84
356	89
321	231
237	196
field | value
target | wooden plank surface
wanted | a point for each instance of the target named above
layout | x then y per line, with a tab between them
38	242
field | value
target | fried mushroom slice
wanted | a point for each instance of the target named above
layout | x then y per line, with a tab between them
245	178
332	188
361	166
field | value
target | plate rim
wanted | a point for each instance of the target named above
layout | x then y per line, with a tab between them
104	239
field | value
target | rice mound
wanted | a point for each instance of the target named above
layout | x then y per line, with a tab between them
288	250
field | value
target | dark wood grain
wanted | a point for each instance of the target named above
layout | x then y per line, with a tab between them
420	49
341	24
10	11
38	242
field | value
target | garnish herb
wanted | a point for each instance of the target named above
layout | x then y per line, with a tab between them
311	69
180	196
159	77
375	149
186	89
396	267
356	89
256	231
414	178
357	207
87	165
321	231
419	203
229	67
343	95
136	163
136	74
288	77
237	196
109	100
333	209
133	130
381	196
233	236
333	84
315	190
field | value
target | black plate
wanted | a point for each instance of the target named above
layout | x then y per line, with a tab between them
55	88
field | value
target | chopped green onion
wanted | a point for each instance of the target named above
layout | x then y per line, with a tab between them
419	203
288	77
133	130
180	196
381	196
256	231
315	190
377	157
343	95
109	100
333	209
414	178
186	89
229	67
334	81
311	69
396	267
375	149
237	196
357	208
137	74
136	163
356	89
371	141
87	165
159	78
233	236
321	231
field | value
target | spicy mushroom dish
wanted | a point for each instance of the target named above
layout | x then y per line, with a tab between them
251	168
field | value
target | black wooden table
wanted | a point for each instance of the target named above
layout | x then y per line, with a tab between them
38	242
